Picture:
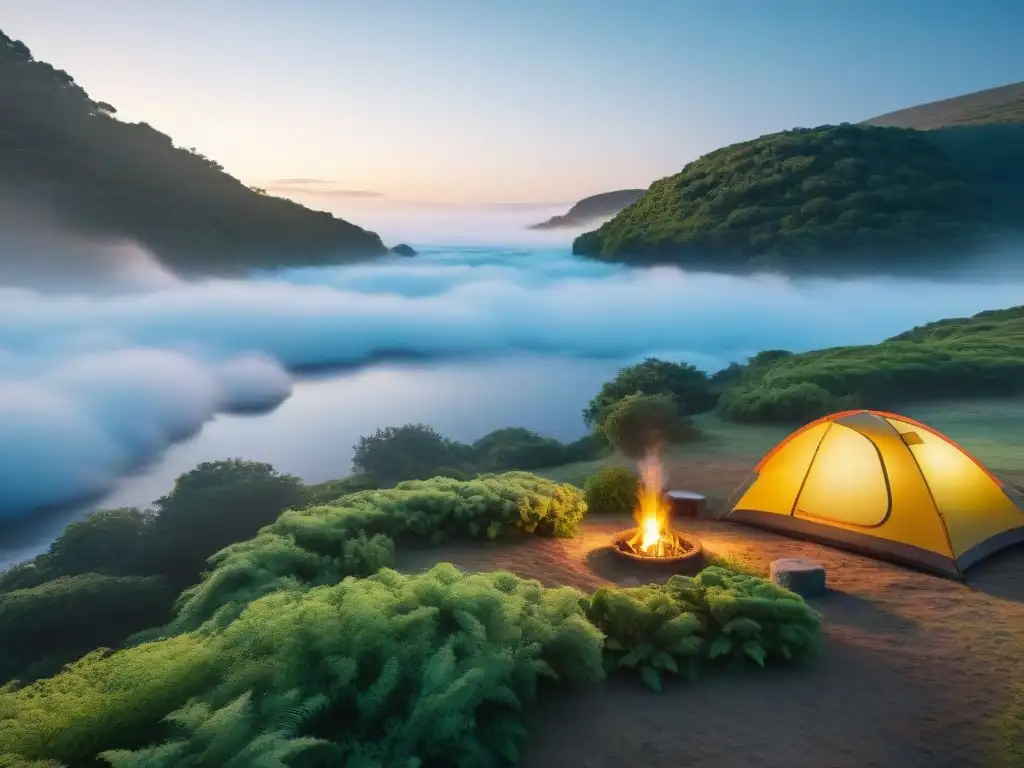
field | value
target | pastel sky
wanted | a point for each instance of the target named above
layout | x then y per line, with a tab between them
512	101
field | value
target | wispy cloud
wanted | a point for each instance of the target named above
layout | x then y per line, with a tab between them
318	188
300	182
332	188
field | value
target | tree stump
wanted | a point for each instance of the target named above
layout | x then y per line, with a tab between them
800	575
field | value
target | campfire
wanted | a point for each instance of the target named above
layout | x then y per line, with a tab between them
654	539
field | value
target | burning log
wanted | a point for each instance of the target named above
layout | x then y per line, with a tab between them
654	539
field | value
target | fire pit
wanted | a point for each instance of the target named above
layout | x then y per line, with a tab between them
654	543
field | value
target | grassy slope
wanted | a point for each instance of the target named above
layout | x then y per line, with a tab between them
60	147
1004	104
980	356
991	429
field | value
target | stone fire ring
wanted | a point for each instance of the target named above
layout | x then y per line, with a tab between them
693	556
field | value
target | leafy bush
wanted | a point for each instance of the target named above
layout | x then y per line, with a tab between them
214	505
107	701
749	617
109	541
612	491
332	490
637	423
418	452
803	401
45	627
409	452
979	356
307	546
675	628
687	386
517	448
587	448
16	761
231	735
432	669
647	630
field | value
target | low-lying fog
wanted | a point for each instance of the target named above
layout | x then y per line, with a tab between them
95	384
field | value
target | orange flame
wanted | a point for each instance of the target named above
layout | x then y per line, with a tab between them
651	514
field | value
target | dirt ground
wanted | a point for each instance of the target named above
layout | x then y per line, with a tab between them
915	668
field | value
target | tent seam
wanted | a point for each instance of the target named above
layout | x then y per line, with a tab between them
935	504
810	466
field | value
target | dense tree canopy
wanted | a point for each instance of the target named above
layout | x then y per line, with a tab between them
833	197
688	387
61	147
417	451
639	423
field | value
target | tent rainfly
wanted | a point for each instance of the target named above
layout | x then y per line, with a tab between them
886	486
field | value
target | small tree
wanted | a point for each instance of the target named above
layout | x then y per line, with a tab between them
517	448
687	386
409	452
109	541
639	422
216	504
612	491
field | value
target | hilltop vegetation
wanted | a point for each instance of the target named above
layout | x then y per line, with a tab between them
593	207
833	198
978	356
61	148
1001	105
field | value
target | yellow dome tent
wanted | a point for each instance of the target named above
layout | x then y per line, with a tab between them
886	486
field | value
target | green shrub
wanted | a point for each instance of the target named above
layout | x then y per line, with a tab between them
979	356
687	386
718	614
432	669
306	546
747	617
587	448
235	734
332	490
612	491
114	542
47	626
648	630
16	761
517	448
214	505
637	423
800	402
106	701
409	452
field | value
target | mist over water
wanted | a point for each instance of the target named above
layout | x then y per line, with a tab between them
94	386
